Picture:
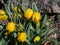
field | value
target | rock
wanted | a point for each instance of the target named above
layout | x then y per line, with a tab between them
51	6
48	43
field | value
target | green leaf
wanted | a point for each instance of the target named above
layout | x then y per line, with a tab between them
21	26
12	5
30	32
8	42
28	41
31	27
43	16
8	9
50	31
45	22
23	6
15	35
34	7
38	30
2	42
1	27
1	33
44	33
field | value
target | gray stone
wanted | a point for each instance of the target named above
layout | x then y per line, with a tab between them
51	6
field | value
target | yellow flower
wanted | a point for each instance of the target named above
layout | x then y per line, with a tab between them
10	26
16	9
2	12
36	16
22	37
3	17
37	38
28	13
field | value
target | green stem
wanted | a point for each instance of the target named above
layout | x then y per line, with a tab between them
36	27
22	43
35	43
8	42
16	42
